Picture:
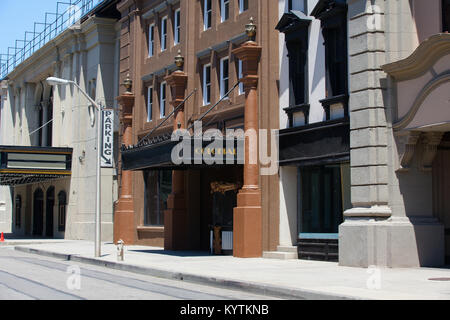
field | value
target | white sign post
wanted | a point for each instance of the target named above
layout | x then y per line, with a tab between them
107	138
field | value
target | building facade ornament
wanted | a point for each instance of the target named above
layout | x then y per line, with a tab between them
431	143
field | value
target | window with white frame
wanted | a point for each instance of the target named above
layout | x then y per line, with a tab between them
240	76
224	9
149	104
206	84
177	27
151	40
224	77
163	33
162	100
207	14
243	5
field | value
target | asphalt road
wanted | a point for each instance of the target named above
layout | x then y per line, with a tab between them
31	277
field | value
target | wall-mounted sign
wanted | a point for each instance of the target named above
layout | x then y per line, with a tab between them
107	139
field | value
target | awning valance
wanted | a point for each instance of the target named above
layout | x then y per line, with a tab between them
315	144
24	165
159	155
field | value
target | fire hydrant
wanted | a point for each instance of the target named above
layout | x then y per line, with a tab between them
120	245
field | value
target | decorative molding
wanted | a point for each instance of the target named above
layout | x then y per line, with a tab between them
410	146
423	94
221	46
204	53
159	8
304	108
431	143
421	60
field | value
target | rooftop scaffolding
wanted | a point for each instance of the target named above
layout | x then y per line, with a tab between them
67	14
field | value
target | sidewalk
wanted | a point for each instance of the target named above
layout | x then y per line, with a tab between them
292	279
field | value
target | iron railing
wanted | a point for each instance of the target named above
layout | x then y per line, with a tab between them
67	14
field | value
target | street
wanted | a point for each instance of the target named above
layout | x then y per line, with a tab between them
32	277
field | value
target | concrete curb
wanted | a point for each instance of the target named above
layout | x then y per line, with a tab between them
252	287
24	243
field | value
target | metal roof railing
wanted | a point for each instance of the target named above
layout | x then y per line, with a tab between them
67	14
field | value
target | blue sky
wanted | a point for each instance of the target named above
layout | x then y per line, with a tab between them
18	16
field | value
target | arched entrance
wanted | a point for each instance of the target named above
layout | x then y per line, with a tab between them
49	206
38	212
441	189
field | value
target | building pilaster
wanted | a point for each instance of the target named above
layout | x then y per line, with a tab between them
247	224
175	217
124	218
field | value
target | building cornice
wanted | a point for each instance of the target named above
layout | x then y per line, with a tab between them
422	59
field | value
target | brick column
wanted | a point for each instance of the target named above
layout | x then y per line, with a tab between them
247	224
124	224
175	217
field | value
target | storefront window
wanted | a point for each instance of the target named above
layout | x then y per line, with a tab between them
324	196
158	186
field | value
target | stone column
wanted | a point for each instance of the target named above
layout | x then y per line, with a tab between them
247	224
175	217
124	224
368	137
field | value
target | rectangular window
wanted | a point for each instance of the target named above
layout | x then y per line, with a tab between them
149	104
158	186
445	15
207	14
177	28
243	5
224	76
151	40
224	10
206	84
162	101
240	76
163	33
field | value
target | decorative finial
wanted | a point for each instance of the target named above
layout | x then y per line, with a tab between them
128	83
250	29
179	60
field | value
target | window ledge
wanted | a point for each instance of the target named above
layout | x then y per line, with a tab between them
150	229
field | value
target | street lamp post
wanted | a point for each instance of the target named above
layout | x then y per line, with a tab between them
54	82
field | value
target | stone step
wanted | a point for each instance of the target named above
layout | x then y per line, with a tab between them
287	248
280	255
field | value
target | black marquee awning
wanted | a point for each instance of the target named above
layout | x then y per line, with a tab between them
158	155
24	165
315	144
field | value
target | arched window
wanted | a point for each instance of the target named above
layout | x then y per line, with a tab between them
18	211
62	202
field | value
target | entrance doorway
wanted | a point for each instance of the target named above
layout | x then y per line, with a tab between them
219	187
441	190
38	212
49	207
